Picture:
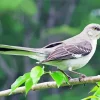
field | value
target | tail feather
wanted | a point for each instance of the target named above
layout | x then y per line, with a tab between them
15	50
22	51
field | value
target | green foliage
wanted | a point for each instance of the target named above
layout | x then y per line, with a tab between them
9	4
29	79
91	98
34	76
17	21
26	6
62	29
81	15
96	91
36	73
19	81
59	77
28	84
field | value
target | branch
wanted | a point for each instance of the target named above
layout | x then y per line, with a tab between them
46	85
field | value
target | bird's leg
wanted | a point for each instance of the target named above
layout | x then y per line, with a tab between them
65	74
77	73
81	75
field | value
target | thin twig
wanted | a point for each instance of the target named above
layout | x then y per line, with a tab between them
46	85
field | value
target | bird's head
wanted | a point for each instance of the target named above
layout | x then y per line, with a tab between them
93	30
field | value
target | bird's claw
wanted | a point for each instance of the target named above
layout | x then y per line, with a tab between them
69	77
81	77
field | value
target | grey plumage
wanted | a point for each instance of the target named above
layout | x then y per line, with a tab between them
71	54
74	51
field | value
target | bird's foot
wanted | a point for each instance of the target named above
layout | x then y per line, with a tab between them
69	77
80	74
81	77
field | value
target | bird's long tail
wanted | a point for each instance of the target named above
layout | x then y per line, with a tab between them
22	51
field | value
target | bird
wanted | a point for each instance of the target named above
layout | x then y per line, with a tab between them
70	54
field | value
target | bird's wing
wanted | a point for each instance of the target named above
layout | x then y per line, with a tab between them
51	45
71	51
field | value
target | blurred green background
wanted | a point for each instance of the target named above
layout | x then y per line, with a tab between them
35	23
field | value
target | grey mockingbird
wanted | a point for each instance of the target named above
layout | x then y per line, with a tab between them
69	54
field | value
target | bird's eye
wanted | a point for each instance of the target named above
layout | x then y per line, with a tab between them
96	28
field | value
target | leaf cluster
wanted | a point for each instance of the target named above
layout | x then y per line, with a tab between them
31	78
96	93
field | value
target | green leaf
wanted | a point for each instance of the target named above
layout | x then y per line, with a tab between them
90	97
94	89
98	83
19	81
36	73
97	93
59	77
28	85
95	98
66	79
